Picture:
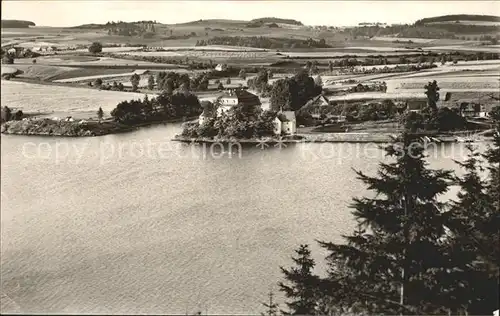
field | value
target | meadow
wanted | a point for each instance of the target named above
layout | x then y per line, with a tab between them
61	101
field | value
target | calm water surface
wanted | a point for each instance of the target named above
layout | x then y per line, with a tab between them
134	223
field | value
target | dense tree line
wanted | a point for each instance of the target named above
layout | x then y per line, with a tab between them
260	82
277	20
443	119
115	86
263	42
368	88
8	115
492	39
411	253
164	107
166	60
169	81
141	28
445	30
406	58
358	111
293	93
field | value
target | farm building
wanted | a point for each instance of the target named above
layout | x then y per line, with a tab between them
316	104
486	109
470	109
285	123
479	107
320	100
141	72
44	48
416	105
221	67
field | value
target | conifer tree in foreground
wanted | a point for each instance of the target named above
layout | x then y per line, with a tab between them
410	253
272	307
394	262
100	114
493	157
151	82
302	284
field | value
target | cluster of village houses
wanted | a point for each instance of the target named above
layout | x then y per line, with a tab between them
285	122
469	108
18	50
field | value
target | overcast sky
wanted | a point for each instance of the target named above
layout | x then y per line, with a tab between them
338	13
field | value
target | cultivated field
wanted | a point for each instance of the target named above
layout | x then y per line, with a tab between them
379	95
213	47
101	76
484	48
208	54
402	39
448	83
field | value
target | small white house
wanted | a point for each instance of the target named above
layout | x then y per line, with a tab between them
221	67
486	110
285	123
202	118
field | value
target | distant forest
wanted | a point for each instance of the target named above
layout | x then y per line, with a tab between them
139	28
459	17
17	24
276	20
263	42
451	31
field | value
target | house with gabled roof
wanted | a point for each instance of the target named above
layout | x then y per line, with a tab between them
319	100
221	67
316	103
416	105
233	97
477	107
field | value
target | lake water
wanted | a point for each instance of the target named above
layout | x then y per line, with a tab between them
134	223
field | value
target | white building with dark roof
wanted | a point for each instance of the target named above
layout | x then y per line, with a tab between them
221	67
285	123
234	97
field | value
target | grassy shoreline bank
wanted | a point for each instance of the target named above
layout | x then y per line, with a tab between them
360	137
48	127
